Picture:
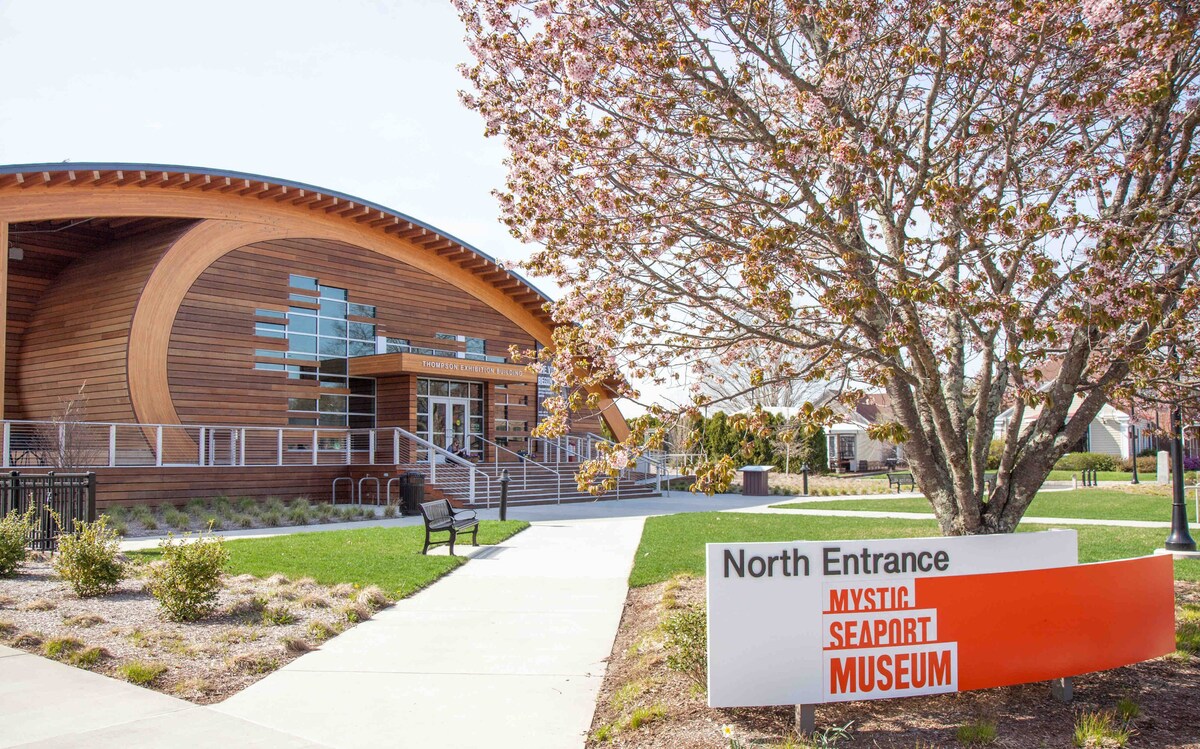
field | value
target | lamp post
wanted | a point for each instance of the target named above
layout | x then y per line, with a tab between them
1133	451
1180	538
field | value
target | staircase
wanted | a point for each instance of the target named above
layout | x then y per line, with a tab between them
530	483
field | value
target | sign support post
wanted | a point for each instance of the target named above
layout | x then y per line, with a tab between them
806	720
1063	689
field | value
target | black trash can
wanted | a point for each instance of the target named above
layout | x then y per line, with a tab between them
412	492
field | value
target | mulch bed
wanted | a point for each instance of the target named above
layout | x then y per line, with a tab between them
674	713
205	661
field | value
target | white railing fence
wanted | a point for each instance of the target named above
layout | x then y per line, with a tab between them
525	463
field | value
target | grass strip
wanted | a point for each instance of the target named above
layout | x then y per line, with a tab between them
388	557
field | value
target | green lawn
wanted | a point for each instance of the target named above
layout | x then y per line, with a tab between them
673	544
1102	504
388	557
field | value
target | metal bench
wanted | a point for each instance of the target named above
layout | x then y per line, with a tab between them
900	479
440	517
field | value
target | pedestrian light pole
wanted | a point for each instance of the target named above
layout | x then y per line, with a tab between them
1180	538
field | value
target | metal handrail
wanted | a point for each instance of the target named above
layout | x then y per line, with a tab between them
450	458
525	461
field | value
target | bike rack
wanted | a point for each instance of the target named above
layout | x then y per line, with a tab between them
333	491
388	491
360	489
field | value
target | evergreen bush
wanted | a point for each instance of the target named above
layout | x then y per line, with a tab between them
89	558
187	580
14	537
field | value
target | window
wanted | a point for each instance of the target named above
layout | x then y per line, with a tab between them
270	330
302	282
316	330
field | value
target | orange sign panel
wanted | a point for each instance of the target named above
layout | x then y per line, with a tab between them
954	633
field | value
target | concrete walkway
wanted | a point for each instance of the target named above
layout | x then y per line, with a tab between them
509	650
44	703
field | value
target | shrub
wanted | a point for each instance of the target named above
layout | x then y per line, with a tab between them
89	558
686	641
187	580
1191	463
14	537
141	673
1082	461
1146	466
271	517
391	511
995	451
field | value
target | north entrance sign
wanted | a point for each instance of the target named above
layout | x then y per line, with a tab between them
812	622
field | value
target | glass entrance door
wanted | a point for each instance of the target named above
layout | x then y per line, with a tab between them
448	420
450	414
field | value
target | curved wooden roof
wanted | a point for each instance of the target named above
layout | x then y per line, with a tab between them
239	207
327	204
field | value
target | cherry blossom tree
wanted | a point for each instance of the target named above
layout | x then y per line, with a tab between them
967	204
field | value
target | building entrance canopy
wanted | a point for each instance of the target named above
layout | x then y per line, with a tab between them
382	365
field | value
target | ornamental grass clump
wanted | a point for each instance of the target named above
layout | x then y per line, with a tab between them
89	558
187	580
14	536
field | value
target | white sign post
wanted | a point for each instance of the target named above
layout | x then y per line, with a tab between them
808	622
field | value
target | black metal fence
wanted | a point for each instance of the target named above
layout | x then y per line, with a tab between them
71	495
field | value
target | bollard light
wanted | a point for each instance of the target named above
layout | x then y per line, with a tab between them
804	473
504	479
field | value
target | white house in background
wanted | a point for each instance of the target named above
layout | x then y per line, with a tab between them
1108	433
850	449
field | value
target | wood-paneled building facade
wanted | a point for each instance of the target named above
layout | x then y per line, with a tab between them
174	295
